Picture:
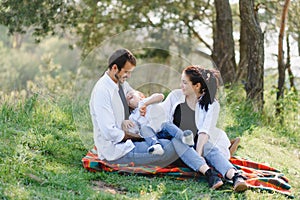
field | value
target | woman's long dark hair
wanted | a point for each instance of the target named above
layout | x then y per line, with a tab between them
208	81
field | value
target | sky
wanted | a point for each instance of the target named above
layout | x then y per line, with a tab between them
233	1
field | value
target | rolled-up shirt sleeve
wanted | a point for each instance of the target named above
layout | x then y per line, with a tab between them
169	104
210	118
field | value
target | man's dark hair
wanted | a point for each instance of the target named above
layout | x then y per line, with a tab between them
120	57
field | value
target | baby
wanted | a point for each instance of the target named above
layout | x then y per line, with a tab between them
154	119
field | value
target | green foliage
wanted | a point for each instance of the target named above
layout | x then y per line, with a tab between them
44	16
38	143
45	130
41	151
242	119
50	60
103	19
239	113
289	116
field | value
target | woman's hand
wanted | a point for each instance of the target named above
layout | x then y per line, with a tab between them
202	140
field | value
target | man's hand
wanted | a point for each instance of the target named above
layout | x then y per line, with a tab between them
126	124
132	136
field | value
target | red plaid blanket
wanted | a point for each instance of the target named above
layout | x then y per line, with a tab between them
258	175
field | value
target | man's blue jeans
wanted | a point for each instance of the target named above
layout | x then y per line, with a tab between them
175	149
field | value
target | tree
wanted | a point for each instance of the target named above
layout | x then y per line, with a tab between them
255	54
288	64
294	32
242	67
44	16
95	21
223	52
181	16
281	65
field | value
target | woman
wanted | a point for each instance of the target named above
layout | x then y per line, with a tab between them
182	110
194	107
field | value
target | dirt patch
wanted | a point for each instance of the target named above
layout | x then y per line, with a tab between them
101	186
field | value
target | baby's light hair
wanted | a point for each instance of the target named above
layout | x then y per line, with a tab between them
140	94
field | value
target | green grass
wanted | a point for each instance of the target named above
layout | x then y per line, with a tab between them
41	149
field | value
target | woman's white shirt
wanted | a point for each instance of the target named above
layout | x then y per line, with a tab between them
205	121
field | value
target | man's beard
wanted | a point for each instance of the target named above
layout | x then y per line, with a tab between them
118	78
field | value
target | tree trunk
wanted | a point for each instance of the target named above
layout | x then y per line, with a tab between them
298	43
281	65
255	54
288	65
242	68
16	40
223	50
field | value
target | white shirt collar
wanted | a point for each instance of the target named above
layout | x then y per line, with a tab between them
109	81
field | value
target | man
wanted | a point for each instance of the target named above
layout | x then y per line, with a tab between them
108	108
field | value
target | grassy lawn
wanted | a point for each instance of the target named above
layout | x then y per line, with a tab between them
41	151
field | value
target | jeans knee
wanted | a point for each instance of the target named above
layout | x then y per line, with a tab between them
146	130
210	150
